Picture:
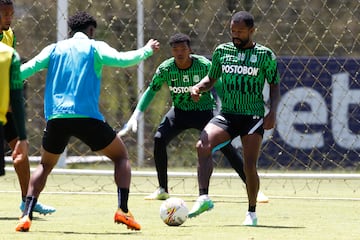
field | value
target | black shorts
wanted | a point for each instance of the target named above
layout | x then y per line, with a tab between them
94	133
176	121
10	132
237	125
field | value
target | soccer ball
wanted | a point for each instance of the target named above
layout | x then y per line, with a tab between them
174	211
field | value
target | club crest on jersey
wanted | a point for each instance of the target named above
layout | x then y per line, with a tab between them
253	58
186	78
196	78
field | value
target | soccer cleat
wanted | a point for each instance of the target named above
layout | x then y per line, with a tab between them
202	204
39	208
159	194
24	224
250	219
127	219
262	198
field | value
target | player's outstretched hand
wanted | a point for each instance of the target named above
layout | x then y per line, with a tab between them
124	130
20	150
269	120
154	44
131	124
195	93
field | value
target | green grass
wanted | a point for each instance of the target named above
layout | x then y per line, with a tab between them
300	209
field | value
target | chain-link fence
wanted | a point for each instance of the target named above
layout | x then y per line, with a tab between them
317	42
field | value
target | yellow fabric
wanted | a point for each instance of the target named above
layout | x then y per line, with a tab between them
8	37
6	53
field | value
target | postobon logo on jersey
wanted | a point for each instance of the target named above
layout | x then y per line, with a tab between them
244	70
180	89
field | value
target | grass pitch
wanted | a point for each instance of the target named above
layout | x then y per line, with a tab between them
290	214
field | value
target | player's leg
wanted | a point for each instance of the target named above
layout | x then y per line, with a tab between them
229	151
36	185
115	149
166	131
235	160
39	176
251	148
54	141
234	157
22	167
117	152
210	137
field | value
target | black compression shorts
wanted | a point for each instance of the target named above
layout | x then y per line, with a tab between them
176	121
94	133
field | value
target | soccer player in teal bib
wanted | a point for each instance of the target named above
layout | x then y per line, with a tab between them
71	107
243	66
180	73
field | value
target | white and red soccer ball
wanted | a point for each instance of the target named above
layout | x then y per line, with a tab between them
174	211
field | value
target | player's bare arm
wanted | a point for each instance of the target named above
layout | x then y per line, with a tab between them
203	86
270	118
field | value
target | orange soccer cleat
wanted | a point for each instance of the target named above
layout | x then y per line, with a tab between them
127	219
24	224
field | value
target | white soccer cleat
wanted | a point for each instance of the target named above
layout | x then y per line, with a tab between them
250	219
262	198
159	194
202	204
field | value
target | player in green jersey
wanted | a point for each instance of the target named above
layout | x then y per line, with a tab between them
243	67
180	72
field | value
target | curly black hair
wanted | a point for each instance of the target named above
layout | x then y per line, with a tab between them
179	38
80	21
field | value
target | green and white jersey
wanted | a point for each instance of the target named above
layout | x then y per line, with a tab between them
243	73
180	82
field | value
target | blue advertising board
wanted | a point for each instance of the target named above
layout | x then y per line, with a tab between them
318	119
